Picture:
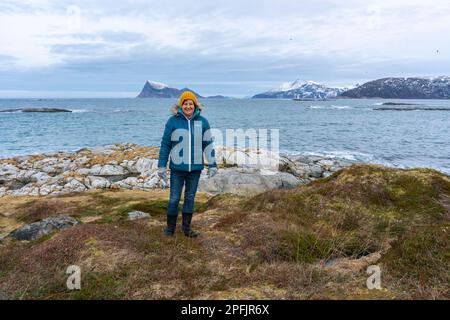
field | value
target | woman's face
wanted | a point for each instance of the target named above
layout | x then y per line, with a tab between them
188	108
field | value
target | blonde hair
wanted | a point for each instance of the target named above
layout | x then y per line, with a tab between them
174	108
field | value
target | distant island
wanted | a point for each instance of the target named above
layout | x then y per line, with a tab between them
403	88
154	89
47	110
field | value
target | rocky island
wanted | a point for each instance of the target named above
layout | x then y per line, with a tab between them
45	110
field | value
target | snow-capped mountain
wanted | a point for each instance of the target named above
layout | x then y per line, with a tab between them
287	86
157	85
154	89
403	88
299	89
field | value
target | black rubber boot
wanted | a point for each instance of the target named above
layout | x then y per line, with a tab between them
186	227
171	225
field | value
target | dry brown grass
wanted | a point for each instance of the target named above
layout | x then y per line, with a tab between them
11	161
126	154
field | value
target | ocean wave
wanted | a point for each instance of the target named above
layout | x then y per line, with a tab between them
340	107
80	110
316	107
120	110
343	154
329	107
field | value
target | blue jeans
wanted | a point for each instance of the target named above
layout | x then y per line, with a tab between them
178	179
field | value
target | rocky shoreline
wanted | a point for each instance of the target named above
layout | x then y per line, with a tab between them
133	167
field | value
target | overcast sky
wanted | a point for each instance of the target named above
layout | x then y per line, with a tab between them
238	48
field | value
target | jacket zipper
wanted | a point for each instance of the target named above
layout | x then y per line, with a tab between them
189	128
189	125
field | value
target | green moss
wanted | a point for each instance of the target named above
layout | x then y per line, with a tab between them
97	285
423	255
200	206
153	207
308	248
94	285
157	207
106	201
107	219
88	211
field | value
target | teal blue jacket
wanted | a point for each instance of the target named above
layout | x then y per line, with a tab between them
185	141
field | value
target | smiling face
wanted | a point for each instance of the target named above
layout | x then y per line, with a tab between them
188	108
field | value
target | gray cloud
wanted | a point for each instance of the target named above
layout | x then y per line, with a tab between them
223	47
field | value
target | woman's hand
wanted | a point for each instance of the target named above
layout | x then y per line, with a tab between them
212	172
162	174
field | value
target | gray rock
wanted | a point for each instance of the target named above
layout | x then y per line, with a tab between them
145	164
335	168
316	171
67	165
25	175
94	170
326	162
51	169
25	190
82	160
327	174
246	182
135	215
86	171
300	170
8	169
41	228
312	159
129	183
97	182
74	185
130	165
48	189
40	178
101	150
112	170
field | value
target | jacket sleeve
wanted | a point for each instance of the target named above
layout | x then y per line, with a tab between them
208	147
166	145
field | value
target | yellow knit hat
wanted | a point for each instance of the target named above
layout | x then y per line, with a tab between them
188	95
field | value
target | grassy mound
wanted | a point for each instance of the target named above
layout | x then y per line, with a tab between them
359	211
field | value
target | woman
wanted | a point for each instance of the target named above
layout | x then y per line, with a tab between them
181	142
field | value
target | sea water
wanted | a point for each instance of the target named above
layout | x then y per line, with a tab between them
347	128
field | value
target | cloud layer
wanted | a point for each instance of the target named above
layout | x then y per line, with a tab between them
234	48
